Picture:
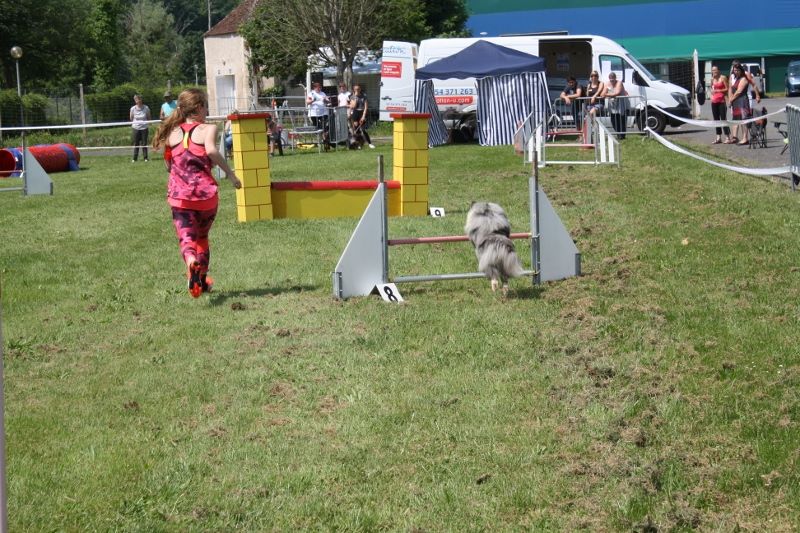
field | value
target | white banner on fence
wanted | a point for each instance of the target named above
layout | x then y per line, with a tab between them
743	170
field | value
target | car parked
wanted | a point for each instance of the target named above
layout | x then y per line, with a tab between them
792	83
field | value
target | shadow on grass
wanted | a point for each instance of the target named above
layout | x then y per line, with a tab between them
222	297
528	293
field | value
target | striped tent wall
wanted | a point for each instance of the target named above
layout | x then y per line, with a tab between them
425	102
504	102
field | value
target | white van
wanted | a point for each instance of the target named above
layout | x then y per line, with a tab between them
564	55
755	70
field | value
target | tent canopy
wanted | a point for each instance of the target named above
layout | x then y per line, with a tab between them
479	60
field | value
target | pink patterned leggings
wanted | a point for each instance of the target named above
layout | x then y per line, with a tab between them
192	228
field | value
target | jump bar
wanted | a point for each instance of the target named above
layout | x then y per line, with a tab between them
446	238
444	277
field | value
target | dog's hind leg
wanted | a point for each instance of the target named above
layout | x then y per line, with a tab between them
495	284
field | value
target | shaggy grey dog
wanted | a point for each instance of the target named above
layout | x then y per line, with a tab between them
489	231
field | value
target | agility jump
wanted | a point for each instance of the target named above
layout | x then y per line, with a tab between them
364	264
260	198
34	178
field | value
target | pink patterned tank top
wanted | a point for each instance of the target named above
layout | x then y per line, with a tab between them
190	179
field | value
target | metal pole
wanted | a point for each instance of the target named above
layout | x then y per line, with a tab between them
533	199
384	220
209	14
19	84
3	497
22	133
83	110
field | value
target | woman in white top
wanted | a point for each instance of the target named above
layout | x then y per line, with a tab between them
617	107
317	102
139	115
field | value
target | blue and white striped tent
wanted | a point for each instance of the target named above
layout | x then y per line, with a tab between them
511	85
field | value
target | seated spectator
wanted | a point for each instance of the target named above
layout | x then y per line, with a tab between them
570	96
274	131
227	136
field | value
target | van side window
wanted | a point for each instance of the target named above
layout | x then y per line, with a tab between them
618	65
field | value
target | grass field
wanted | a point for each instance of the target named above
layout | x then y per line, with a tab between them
657	392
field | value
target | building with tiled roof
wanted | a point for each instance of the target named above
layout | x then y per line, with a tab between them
227	71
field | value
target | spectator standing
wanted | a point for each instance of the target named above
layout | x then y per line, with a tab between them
343	98
317	102
358	113
139	115
168	106
719	103
617	106
570	95
594	90
190	154
753	94
740	105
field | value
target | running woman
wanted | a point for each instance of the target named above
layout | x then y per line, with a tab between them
190	153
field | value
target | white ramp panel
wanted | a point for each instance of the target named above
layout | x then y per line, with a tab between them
360	267
36	179
558	256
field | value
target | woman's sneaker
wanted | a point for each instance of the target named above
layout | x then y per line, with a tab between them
195	280
206	282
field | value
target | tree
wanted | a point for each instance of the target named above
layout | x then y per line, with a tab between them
52	36
282	34
191	22
105	31
152	43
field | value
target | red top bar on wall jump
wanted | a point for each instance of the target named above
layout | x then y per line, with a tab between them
410	115
331	185
446	238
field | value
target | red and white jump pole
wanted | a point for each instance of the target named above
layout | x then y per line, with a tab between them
364	264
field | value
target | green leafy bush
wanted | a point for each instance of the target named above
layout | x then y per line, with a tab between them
35	107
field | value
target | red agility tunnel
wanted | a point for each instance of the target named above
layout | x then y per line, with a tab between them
53	158
8	163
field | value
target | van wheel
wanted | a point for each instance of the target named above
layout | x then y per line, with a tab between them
656	121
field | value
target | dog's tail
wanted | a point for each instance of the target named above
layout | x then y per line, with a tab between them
498	259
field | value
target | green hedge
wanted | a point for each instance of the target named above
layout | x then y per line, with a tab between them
115	105
35	108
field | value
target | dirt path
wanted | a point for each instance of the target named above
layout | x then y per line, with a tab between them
769	157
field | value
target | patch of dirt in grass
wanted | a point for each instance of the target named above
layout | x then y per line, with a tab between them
328	405
722	220
217	432
282	390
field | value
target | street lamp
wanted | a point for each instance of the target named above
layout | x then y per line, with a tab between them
16	53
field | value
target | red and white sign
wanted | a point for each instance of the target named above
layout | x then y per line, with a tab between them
454	100
396	108
391	69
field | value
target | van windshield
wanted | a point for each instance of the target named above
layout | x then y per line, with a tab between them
794	70
640	67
